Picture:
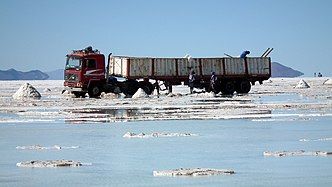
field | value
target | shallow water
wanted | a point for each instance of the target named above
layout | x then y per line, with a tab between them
118	161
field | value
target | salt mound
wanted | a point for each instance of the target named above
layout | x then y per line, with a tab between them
26	90
328	82
110	95
302	84
155	92
170	95
193	172
48	163
140	94
296	153
209	94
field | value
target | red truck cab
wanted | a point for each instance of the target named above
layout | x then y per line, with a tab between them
85	72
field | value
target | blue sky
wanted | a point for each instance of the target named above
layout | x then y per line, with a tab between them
37	34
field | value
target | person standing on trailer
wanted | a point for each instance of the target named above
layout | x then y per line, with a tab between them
244	54
191	80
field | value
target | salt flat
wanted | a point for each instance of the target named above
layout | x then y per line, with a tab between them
122	141
276	99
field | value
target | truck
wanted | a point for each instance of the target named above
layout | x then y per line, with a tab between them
88	72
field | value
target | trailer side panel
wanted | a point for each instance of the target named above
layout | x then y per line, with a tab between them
140	67
234	66
258	66
210	65
118	66
164	67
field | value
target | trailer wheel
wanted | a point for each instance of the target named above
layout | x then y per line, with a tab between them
243	87
129	87
146	86
228	88
79	94
94	91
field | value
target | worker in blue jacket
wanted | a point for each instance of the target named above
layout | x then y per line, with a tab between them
244	54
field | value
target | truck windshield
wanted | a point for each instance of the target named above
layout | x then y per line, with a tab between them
73	63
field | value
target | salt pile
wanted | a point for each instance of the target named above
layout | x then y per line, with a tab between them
49	163
155	92
296	153
140	94
156	135
26	90
193	172
328	82
110	95
302	84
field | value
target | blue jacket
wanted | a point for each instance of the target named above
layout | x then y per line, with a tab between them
244	54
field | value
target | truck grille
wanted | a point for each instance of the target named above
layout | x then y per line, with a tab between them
71	77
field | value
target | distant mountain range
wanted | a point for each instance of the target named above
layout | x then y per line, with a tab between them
56	74
278	70
12	74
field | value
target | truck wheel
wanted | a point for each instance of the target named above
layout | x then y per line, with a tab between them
243	87
79	94
94	91
228	88
147	87
129	87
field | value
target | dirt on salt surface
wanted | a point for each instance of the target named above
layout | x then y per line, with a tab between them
156	135
193	172
262	102
49	163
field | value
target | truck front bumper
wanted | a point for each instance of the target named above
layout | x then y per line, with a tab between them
73	89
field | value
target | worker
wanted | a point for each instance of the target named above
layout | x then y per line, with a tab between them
213	81
191	80
157	87
244	54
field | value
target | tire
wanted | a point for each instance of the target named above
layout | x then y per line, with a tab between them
94	91
79	94
228	88
147	87
129	87
243	87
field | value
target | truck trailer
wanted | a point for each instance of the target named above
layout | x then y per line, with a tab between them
86	71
